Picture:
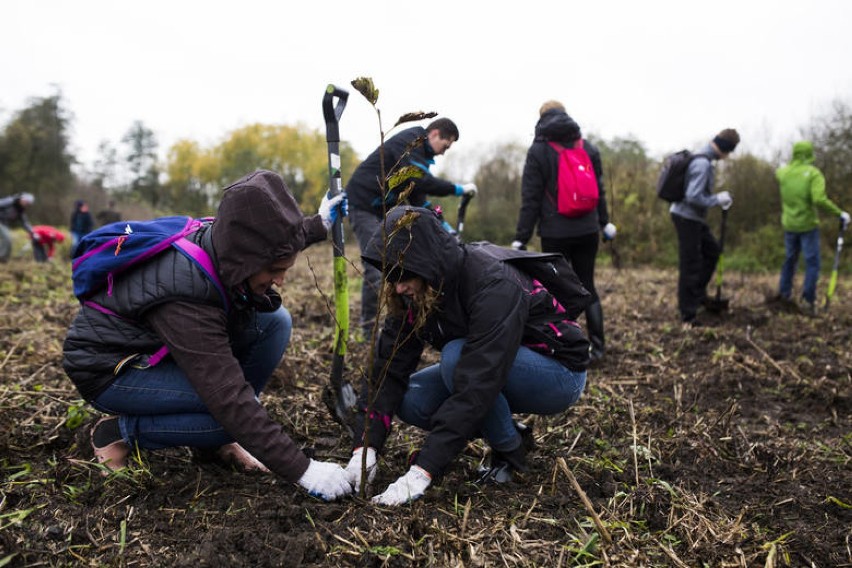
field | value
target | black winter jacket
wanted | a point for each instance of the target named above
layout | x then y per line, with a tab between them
408	148
538	185
496	299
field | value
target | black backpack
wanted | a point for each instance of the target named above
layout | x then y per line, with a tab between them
671	185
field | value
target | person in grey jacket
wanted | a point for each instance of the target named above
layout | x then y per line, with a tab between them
698	249
13	209
222	347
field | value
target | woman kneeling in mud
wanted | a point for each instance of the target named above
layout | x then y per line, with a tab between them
503	321
222	347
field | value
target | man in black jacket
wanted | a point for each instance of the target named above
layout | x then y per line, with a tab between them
503	321
397	172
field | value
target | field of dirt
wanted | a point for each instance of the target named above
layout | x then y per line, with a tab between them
720	446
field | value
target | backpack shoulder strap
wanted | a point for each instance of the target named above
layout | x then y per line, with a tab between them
201	259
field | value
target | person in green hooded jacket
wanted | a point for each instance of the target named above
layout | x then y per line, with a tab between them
802	192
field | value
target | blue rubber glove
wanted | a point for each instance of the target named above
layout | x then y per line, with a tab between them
333	208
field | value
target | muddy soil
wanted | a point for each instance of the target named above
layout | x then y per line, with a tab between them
722	445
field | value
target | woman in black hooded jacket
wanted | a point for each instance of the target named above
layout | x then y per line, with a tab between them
503	321
574	237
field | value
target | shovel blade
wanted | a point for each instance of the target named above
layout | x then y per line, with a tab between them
716	305
341	404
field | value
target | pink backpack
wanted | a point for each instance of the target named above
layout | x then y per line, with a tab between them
576	184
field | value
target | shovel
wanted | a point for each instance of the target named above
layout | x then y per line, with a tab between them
832	284
719	304
339	395
465	201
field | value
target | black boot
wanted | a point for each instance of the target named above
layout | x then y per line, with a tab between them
503	464
595	329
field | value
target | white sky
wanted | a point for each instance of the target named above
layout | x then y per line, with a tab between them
669	73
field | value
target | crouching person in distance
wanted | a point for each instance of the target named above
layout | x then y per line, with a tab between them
503	321
204	393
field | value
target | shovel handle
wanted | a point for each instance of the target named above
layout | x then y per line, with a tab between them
332	111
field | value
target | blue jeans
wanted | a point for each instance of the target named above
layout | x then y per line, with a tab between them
794	243
158	407
536	385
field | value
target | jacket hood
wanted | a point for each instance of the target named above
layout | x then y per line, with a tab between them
418	244
556	125
259	222
803	152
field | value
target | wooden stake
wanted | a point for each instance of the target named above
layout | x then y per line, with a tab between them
584	498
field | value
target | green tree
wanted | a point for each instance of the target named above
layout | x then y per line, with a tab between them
641	217
34	157
141	157
831	134
197	175
493	213
104	171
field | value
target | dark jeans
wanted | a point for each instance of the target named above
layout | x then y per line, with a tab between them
536	384
698	253
795	243
159	408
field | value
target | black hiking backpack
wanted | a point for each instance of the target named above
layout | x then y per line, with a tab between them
671	185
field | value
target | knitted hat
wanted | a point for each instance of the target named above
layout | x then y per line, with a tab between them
551	105
727	140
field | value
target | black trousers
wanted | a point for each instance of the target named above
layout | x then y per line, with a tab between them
581	253
698	253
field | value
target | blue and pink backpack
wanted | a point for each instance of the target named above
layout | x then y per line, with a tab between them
111	250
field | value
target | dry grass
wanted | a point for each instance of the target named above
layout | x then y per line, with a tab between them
724	446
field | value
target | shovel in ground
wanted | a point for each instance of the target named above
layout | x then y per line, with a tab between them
719	304
832	283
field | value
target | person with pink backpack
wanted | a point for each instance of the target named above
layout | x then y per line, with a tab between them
571	229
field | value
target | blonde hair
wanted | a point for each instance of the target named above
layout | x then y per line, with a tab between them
423	305
551	105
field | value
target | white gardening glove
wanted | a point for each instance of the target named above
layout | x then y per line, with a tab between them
325	480
353	468
725	200
844	218
518	245
609	231
469	189
407	488
333	208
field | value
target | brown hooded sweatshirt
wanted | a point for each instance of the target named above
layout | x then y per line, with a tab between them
258	222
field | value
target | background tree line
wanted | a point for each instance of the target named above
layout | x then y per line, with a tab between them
35	156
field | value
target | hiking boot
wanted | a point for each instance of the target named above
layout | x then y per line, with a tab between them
527	437
502	467
235	455
107	444
781	302
810	309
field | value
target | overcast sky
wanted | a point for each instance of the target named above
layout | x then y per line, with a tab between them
668	73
